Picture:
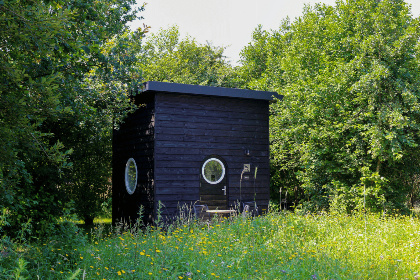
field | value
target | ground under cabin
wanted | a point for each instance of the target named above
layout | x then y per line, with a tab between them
190	145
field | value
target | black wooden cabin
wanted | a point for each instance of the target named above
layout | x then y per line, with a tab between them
189	144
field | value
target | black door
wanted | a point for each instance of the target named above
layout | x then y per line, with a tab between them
213	185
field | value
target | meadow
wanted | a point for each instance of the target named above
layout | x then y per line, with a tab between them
280	245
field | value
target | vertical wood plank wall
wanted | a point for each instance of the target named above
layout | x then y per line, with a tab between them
188	128
134	139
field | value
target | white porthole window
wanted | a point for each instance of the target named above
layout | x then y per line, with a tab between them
213	171
131	176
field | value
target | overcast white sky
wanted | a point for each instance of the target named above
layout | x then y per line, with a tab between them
228	23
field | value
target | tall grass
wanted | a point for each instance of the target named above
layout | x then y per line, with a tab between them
275	246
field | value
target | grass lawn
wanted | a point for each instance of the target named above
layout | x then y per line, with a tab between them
275	246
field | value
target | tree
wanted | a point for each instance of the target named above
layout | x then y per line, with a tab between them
103	98
168	58
348	127
54	56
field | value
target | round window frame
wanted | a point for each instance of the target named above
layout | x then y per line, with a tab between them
127	187
223	171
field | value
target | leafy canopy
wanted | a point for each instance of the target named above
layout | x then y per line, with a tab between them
347	131
64	71
166	57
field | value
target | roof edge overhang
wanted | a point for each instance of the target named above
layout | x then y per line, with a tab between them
153	86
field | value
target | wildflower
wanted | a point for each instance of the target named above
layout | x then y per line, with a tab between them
314	276
188	274
119	272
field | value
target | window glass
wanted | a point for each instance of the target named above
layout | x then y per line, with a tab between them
213	171
131	176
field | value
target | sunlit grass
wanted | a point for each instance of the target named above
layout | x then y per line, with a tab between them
276	246
95	221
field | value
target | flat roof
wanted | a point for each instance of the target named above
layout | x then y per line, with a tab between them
207	90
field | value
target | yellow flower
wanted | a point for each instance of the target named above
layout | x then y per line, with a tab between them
119	272
180	277
81	258
150	273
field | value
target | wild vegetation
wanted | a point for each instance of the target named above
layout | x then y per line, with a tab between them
347	129
65	74
277	246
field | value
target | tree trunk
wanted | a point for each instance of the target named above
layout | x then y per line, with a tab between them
88	221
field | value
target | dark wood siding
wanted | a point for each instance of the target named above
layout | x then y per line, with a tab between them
134	139
188	128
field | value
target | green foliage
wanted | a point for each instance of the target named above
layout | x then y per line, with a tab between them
277	246
348	126
64	66
168	58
